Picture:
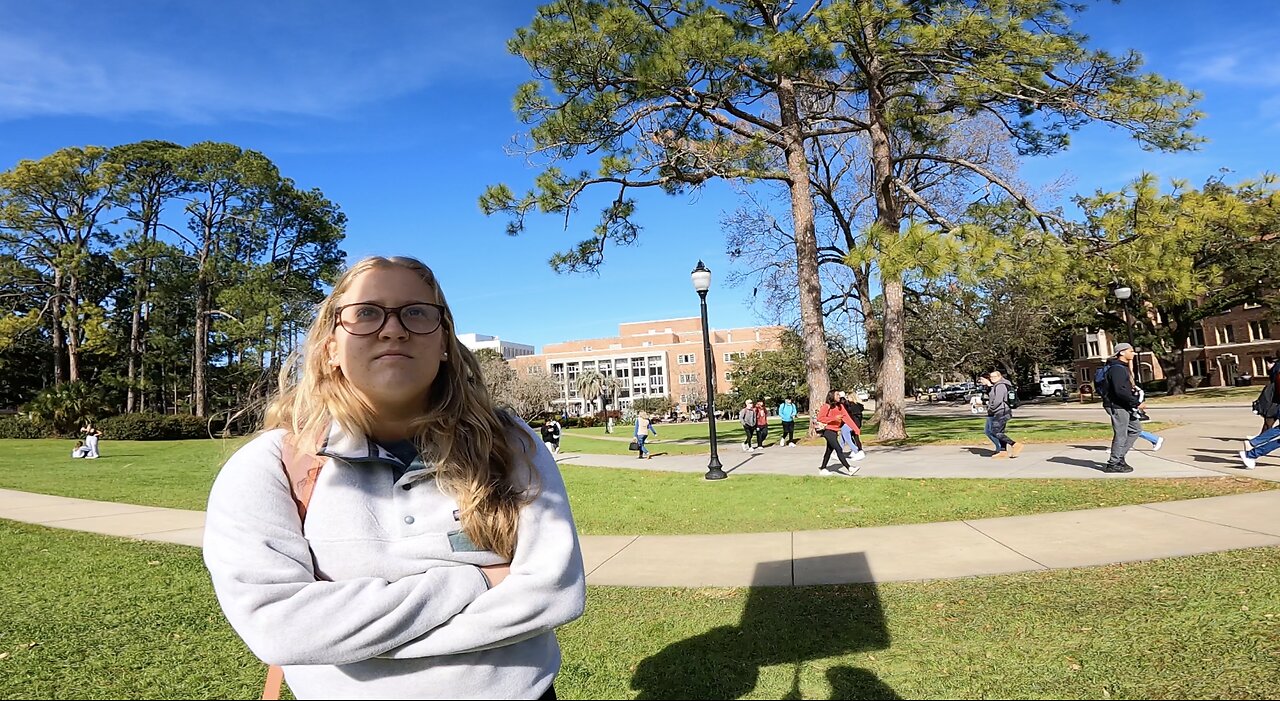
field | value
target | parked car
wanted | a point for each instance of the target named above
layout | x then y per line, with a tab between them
1053	386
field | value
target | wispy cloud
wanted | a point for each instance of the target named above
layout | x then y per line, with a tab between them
1245	60
217	61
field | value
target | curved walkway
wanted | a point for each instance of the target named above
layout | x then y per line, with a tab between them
1205	445
882	554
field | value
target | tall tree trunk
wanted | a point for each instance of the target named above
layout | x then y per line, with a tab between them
73	329
891	382
136	331
891	404
870	322
199	362
813	332
55	328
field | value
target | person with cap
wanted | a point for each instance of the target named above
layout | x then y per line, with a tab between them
999	411
1121	401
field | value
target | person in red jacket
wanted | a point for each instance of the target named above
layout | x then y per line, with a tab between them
762	424
832	416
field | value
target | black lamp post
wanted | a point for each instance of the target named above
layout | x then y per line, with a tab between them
701	283
1123	294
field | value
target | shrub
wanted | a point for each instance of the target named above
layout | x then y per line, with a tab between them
22	427
67	406
153	427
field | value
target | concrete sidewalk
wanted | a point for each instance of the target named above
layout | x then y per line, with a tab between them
884	554
1205	444
1076	460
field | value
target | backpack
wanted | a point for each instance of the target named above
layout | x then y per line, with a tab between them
1266	405
1100	381
1012	400
301	469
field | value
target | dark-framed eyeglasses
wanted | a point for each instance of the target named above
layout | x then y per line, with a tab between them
367	318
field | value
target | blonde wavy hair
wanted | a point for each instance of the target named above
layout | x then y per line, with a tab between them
473	446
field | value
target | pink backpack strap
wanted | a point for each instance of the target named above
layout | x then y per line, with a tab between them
301	468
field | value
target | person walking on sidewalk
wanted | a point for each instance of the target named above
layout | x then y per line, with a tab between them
831	417
1120	399
644	429
1157	442
1268	405
748	419
999	411
787	412
848	436
762	424
1271	389
551	434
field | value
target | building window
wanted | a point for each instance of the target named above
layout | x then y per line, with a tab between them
728	377
1082	351
687	359
1093	349
1259	366
1226	334
1197	368
1196	339
1259	331
730	357
688	378
648	343
1084	374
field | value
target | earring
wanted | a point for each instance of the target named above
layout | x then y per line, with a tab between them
446	355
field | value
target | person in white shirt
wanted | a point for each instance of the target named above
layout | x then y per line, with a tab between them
436	554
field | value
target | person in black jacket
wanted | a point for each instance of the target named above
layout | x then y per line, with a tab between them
1120	399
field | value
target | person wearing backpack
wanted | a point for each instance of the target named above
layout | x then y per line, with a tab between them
551	434
1269	418
1268	406
1121	402
389	567
1000	408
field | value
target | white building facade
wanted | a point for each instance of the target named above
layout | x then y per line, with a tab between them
508	350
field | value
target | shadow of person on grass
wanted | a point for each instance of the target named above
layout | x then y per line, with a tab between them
791	626
1092	465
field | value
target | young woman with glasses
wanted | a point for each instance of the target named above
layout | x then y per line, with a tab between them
435	554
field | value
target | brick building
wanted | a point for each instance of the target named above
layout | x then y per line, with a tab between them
650	359
1221	350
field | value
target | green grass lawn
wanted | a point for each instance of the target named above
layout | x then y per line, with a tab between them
89	616
178	474
640	502
1206	395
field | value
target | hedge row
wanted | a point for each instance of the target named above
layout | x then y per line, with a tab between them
126	427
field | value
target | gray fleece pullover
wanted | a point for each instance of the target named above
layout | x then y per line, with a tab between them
393	605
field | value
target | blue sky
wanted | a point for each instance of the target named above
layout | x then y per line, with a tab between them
401	113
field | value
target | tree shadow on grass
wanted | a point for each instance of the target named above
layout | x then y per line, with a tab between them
791	626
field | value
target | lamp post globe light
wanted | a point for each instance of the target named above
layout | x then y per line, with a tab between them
701	277
1123	294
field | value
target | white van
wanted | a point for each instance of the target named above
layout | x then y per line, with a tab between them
1052	386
